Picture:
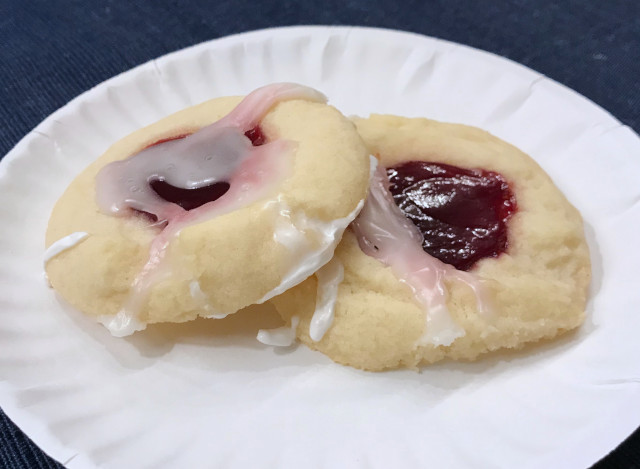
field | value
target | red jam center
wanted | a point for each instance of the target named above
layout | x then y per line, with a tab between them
189	199
256	136
462	213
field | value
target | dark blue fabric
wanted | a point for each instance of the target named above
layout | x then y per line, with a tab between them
51	51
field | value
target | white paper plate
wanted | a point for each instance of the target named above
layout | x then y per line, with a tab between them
191	396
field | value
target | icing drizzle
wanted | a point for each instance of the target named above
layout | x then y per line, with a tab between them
384	233
60	246
63	244
329	278
306	255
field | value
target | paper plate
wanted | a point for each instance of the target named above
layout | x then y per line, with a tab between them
208	395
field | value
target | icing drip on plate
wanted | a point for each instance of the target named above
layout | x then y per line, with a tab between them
216	154
385	234
281	336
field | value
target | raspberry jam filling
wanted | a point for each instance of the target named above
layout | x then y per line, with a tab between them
461	213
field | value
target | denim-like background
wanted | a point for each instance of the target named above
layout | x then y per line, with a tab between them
51	51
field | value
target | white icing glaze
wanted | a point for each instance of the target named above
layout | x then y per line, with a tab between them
217	153
373	166
384	233
280	337
329	278
310	242
63	244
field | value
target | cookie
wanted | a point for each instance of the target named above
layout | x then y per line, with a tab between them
464	246
219	206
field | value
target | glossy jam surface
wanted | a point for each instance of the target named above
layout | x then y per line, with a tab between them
461	213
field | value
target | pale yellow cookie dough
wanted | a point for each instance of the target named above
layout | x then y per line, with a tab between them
538	288
234	257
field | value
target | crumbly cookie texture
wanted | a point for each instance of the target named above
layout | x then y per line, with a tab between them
537	289
234	257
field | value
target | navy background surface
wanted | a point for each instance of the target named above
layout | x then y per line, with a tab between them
51	51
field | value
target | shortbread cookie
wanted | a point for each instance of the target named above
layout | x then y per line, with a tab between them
504	260
214	208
